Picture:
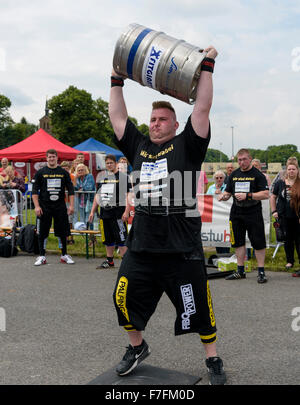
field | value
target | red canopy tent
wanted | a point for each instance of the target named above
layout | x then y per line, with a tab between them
33	149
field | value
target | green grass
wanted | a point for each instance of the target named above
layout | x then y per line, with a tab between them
78	249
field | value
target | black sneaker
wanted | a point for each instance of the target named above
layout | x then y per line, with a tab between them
132	358
105	265
216	371
261	278
236	276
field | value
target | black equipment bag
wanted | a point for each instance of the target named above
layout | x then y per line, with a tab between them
7	248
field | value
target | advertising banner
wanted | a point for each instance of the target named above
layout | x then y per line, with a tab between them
215	221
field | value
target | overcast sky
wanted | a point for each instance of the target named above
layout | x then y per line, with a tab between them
47	46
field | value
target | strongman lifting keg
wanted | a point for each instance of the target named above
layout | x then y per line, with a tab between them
159	61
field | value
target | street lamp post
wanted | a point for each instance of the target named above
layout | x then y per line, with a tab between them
232	148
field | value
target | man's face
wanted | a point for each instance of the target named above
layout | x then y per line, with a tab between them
229	169
163	125
244	161
51	160
4	163
111	165
80	159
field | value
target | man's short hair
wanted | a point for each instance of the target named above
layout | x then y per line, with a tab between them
51	152
243	151
111	157
162	104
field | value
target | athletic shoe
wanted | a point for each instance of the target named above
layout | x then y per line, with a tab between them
235	276
66	259
216	371
132	358
296	274
40	261
105	265
261	278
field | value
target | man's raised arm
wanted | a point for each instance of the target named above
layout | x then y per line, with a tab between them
204	96
117	107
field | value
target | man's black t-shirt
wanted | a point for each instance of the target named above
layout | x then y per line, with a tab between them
164	174
51	184
250	181
112	191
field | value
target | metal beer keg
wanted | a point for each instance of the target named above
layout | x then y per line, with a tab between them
159	61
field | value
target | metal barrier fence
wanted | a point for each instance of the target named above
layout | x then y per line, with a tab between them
81	210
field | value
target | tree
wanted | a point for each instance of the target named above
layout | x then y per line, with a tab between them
72	116
16	132
215	155
5	104
281	153
5	118
75	117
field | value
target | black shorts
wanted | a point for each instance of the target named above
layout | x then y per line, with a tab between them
57	213
113	232
251	221
142	279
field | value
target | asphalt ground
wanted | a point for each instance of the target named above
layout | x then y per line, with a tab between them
61	327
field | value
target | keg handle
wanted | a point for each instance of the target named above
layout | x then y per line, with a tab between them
197	74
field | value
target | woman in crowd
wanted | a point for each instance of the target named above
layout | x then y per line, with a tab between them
282	173
285	206
8	180
218	187
85	183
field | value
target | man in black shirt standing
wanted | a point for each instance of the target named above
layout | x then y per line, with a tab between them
111	196
248	186
164	244
48	195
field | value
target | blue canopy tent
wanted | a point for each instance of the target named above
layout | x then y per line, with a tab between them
92	145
